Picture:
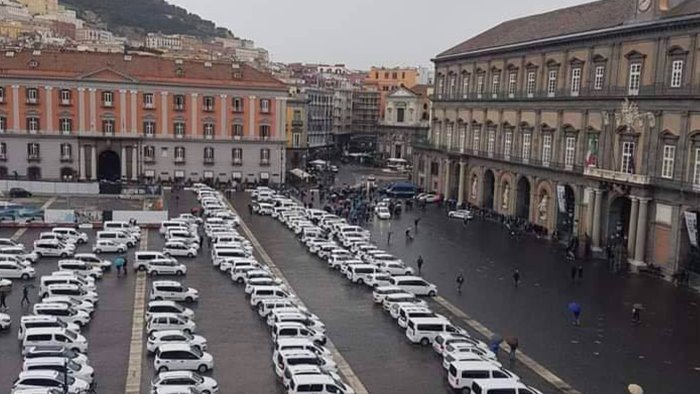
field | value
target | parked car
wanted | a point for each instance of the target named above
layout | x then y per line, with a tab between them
181	356
164	337
18	192
185	380
178	248
461	214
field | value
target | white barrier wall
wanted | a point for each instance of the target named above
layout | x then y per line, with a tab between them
142	217
37	187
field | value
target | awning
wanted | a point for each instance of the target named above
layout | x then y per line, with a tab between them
179	174
149	173
208	174
237	175
318	163
264	175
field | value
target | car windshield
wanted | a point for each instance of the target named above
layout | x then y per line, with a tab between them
197	352
197	378
71	335
72	365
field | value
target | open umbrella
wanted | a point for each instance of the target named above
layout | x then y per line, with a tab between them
495	338
638	306
574	307
635	389
512	341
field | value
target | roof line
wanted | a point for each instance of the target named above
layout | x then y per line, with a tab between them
569	36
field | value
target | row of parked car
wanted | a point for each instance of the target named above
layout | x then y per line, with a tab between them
300	359
54	350
469	363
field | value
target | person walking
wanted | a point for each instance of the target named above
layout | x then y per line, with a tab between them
125	264
250	209
3	296
636	313
573	273
460	282
388	238
419	263
516	277
118	262
415	223
409	238
513	344
25	295
575	310
579	272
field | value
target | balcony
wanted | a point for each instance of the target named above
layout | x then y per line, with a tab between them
108	104
237	162
66	159
208	108
179	107
32	101
33	158
149	106
617	176
3	157
265	163
209	161
149	159
65	103
179	160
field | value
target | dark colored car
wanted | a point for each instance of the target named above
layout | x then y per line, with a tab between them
18	192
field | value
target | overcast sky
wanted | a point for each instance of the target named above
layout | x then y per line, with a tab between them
361	33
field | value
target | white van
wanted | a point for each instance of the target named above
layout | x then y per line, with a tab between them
118	236
267	292
141	259
54	336
122	226
424	330
501	386
171	224
220	254
15	270
67	277
415	285
462	374
81	267
361	273
71	233
317	384
29	322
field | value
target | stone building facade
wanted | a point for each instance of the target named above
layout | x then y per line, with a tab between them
94	116
584	120
406	118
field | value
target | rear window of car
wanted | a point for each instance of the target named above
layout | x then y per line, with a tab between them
310	388
475	374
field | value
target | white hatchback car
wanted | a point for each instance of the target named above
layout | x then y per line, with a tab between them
185	380
178	248
164	337
166	267
181	356
109	246
170	321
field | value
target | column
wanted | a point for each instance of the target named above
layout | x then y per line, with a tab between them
48	123
123	167
590	192
164	113
15	109
460	192
641	230
93	109
122	113
632	231
81	113
83	162
223	128
93	163
251	116
446	189
194	114
134	112
134	162
596	218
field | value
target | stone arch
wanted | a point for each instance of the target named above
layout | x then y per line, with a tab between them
566	220
543	205
488	189
523	197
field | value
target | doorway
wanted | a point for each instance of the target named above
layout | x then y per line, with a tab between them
489	182
109	166
522	204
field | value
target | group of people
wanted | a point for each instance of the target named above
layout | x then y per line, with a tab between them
25	297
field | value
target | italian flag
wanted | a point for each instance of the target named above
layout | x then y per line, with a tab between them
592	154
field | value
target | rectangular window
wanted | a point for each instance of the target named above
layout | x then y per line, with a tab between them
546	149
576	81
512	84
453	86
149	129
148	100
66	152
209	130
149	153
264	156
179	154
495	84
33	151
476	140
237	156
677	74
66	125
552	83
65	96
2	94
237	131
33	125
527	143
265	106
3	151
264	132
479	85
696	168
3	124
237	104
507	144
491	141
32	96
400	113
599	79
107	99
569	152
667	161
179	102
296	140
208	154
627	165
465	85
108	127
635	78
531	83
208	103
179	129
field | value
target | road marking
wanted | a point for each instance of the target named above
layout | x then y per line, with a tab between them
19	233
48	203
133	376
526	360
343	366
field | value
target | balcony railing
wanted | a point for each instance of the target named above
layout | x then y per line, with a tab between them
265	163
617	176
66	159
149	159
237	162
208	160
33	158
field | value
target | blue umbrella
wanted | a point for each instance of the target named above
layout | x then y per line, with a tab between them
574	307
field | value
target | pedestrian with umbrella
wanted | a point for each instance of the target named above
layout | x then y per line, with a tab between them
513	345
516	277
495	343
575	310
118	264
25	294
460	282
3	296
419	263
636	313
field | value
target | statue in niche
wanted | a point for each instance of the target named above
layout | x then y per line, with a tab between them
474	187
543	206
506	195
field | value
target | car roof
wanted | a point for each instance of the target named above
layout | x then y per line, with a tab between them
473	364
296	353
44	330
175	374
162	302
45	360
313	379
30	318
408	277
162	333
436	319
174	347
41	373
166	283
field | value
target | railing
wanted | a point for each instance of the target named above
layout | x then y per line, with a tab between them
617	176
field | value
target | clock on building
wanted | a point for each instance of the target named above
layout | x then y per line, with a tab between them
644	5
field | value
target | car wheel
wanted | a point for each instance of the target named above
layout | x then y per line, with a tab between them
130	244
167	254
189	299
360	281
142	268
25	276
425	342
239	280
178	273
206	392
159	298
64	255
152	273
202	368
187	331
121	250
38	254
98	251
163	369
432	293
190	255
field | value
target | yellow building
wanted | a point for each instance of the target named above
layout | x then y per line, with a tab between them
296	133
387	80
40	7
